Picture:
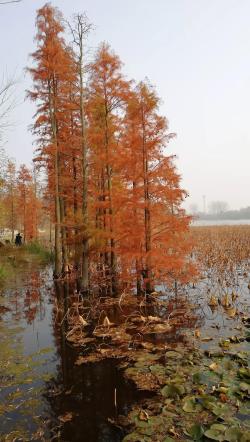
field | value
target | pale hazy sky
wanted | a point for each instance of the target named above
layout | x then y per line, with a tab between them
196	52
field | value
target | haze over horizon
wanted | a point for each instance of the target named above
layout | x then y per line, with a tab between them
196	53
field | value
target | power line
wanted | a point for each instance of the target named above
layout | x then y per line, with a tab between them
10	1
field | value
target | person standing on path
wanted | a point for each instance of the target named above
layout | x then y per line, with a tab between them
18	240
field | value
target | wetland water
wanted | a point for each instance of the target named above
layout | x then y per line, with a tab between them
44	395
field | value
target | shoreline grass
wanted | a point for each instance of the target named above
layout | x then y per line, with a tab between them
14	258
40	250
3	274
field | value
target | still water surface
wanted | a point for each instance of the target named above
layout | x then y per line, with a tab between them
43	394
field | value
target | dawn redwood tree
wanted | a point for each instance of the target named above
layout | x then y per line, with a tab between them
156	225
80	30
108	92
53	75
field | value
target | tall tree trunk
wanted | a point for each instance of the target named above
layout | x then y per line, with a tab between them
50	229
64	234
58	239
112	270
137	266
75	202
35	211
24	214
75	208
85	239
147	217
12	214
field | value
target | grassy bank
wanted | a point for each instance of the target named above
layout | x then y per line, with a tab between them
35	248
15	261
3	274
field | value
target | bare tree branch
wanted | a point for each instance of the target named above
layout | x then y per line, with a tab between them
7	102
79	31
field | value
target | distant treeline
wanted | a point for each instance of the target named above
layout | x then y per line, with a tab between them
243	213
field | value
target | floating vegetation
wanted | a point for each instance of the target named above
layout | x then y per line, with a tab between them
200	398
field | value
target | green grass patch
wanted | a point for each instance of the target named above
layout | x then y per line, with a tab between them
43	252
3	274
